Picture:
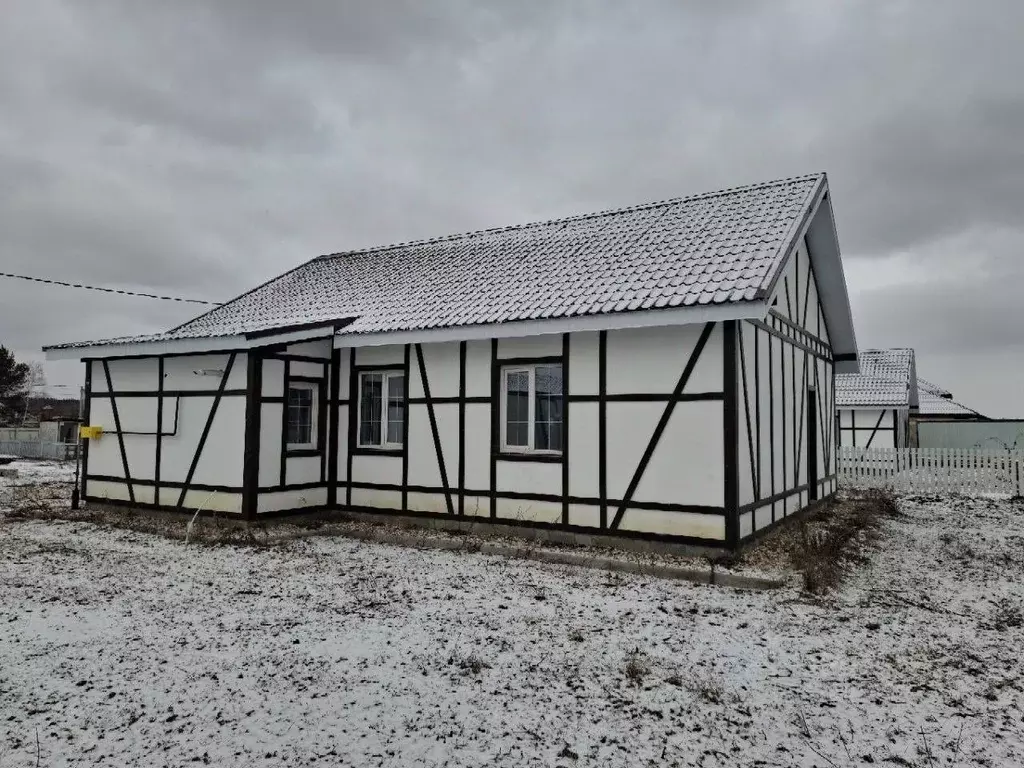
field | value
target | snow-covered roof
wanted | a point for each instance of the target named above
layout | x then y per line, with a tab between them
926	387
886	380
706	250
933	400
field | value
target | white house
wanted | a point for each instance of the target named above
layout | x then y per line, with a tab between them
874	406
660	371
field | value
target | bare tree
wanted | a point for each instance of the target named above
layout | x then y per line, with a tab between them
35	386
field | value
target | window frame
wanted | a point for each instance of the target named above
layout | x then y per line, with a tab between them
530	368
314	415
386	374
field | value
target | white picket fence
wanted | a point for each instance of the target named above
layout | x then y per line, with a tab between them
932	470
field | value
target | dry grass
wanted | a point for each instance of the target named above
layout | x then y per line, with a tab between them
826	545
831	547
637	667
1006	614
50	501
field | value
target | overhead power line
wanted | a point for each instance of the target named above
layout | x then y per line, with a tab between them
109	290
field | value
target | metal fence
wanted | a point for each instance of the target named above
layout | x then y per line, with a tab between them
36	449
932	470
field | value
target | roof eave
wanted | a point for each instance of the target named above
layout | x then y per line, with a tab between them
291	334
150	348
826	258
647	318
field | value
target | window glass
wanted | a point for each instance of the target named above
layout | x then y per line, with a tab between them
300	415
381	409
533	408
370	399
548	408
396	409
517	408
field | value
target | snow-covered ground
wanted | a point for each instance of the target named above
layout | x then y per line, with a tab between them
121	648
36	471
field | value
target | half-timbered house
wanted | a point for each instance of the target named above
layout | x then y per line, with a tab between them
661	371
874	406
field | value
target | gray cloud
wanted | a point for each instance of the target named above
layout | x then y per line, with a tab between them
201	148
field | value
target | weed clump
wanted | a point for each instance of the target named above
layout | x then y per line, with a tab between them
829	548
637	667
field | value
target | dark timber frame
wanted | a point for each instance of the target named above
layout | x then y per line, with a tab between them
253	423
800	378
854	435
793	355
206	430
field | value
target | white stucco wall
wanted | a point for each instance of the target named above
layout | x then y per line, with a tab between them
872	427
135	383
780	381
299	482
685	468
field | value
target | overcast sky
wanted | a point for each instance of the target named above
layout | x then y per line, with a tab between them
199	148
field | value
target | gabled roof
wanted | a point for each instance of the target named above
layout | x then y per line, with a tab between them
709	250
936	401
887	379
926	387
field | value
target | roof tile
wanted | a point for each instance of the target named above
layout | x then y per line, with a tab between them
711	248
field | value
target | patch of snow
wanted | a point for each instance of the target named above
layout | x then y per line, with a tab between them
43	471
122	648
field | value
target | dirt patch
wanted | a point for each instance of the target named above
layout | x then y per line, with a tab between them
827	544
49	501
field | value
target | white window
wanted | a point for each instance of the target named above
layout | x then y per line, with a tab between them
381	409
531	405
302	409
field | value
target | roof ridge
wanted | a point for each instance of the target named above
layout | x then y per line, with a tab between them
574	217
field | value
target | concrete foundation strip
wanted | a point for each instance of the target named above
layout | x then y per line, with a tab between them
710	576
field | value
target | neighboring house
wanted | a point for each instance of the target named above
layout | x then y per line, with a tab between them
936	403
874	406
661	371
942	422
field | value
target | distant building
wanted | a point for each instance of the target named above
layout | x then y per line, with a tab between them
874	406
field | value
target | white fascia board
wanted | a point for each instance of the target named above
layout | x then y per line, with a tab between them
150	348
196	345
873	407
833	293
651	318
292	337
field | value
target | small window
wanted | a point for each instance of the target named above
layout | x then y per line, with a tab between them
382	409
532	406
302	405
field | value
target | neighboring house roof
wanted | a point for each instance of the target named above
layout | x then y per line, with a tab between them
706	250
936	401
886	380
926	387
944	407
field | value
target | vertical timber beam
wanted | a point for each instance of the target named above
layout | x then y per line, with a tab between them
602	425
353	420
730	431
159	429
462	429
565	429
120	434
495	425
86	411
251	450
332	427
406	353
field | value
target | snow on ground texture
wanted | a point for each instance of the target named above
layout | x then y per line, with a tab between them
36	471
121	648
